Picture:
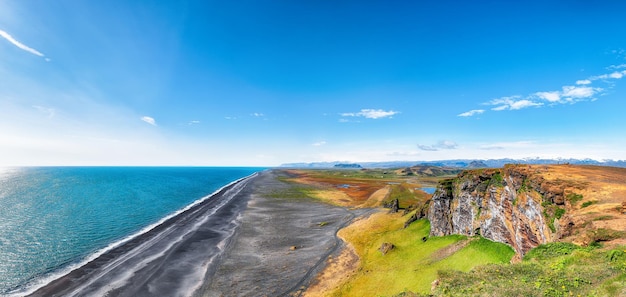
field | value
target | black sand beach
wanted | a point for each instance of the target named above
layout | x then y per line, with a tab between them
262	261
240	242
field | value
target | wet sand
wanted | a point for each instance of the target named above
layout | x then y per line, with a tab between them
243	241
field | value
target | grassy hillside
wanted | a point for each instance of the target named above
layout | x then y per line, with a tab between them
554	269
413	264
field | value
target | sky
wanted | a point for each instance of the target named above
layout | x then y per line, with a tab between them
262	83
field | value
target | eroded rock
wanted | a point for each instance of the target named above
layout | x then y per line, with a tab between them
504	205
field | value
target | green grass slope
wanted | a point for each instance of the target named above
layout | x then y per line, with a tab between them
413	264
554	269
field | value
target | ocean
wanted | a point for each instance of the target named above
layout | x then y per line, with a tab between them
55	219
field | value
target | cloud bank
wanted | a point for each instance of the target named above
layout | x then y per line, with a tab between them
568	94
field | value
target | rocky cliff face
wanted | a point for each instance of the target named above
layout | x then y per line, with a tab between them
509	205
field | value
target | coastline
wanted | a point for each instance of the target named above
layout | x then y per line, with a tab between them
239	241
107	266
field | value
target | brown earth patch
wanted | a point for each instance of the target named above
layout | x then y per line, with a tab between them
357	191
449	250
338	270
376	199
603	190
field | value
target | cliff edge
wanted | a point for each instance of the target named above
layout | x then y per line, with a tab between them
528	205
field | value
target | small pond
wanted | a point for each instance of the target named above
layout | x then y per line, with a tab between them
429	190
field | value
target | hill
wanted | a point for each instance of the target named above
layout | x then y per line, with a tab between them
527	205
576	214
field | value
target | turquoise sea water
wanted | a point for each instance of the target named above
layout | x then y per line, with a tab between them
55	218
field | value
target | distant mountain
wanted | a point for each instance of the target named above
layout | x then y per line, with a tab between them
348	166
477	164
462	163
428	170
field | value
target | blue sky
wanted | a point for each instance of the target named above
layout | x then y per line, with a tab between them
269	82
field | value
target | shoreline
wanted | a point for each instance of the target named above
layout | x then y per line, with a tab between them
241	241
71	282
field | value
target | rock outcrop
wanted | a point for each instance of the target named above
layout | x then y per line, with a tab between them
386	247
509	205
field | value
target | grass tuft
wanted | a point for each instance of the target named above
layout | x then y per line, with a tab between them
588	203
574	198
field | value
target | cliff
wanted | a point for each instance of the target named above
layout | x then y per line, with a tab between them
513	205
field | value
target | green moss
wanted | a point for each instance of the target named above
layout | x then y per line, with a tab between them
448	185
497	180
551	250
604	218
524	187
559	212
588	203
551	212
574	198
602	234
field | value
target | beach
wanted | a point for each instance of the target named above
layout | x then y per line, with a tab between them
242	241
281	245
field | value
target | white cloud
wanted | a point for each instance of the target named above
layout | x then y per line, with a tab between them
471	113
194	122
569	94
579	92
20	45
441	145
257	114
371	113
616	66
616	75
230	118
510	103
603	76
583	82
149	120
503	100
613	75
319	143
549	96
523	104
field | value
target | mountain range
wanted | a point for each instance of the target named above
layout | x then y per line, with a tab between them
458	163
